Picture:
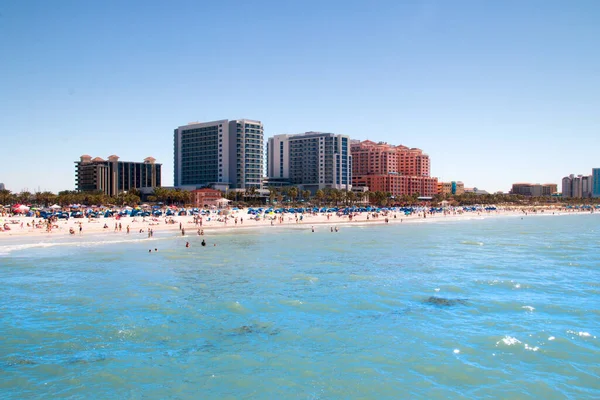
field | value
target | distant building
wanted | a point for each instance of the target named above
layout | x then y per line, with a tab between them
207	197
478	192
2	187
113	176
578	187
534	189
220	153
450	188
587	183
596	182
311	160
567	186
398	170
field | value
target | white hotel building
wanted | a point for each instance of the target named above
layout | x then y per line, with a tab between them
311	160
224	154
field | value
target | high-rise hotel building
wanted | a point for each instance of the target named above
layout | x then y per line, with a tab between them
221	153
582	186
112	176
311	160
398	170
596	182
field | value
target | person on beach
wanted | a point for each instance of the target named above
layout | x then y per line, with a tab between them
183	232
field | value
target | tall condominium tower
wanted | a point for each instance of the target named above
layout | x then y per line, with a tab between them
596	182
312	160
567	186
580	186
224	152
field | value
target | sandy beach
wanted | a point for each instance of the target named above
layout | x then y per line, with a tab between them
19	226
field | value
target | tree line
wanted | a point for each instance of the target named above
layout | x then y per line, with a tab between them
278	195
69	197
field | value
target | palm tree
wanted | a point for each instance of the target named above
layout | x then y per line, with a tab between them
272	194
161	194
292	193
350	197
250	193
24	197
306	195
360	196
131	199
320	195
6	196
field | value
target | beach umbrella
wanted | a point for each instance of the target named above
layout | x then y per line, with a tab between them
55	207
22	208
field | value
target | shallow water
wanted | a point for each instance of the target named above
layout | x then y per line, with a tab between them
502	308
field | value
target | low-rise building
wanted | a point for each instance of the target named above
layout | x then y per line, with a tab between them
450	188
399	185
534	189
478	192
206	197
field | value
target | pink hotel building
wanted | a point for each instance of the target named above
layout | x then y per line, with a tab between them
387	168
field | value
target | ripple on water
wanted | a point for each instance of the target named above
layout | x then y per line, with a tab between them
457	310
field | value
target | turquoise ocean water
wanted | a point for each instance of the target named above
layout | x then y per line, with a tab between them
484	308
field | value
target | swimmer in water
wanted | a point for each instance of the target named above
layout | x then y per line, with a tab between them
203	242
187	244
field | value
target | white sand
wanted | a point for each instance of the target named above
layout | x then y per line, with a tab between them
18	225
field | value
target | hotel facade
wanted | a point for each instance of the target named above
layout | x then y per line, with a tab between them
596	182
451	188
580	186
112	176
534	189
311	160
224	154
398	170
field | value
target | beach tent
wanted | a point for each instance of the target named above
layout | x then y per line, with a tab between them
21	208
222	201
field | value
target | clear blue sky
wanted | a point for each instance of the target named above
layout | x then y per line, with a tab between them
495	92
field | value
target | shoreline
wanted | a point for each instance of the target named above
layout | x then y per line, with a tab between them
94	232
